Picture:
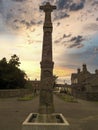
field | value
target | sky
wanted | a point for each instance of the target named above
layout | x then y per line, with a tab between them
75	35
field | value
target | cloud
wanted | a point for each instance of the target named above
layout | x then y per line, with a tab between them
19	16
63	4
91	27
62	38
58	23
76	42
24	16
58	40
77	45
66	36
62	15
77	6
71	66
19	0
78	58
70	5
96	19
26	23
1	6
77	39
95	2
96	50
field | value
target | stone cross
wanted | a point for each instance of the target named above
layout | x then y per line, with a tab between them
46	87
47	9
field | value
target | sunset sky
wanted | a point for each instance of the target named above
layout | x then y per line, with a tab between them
75	35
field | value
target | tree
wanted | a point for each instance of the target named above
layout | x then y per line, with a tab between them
11	76
3	69
3	61
14	61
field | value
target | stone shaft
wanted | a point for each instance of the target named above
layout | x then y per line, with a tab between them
46	95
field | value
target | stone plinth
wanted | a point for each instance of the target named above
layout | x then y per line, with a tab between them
31	124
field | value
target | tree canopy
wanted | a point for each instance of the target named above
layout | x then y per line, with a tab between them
11	76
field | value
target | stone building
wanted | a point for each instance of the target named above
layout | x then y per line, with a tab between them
85	84
34	85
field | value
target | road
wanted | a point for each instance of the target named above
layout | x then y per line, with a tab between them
81	116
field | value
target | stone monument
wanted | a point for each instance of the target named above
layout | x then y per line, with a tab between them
46	119
46	93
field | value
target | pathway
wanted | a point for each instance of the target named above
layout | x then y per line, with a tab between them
81	116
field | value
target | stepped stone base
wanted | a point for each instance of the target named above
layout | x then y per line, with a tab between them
31	124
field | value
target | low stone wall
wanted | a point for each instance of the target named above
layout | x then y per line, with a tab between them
92	96
14	93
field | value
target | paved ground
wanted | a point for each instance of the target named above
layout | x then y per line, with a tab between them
81	116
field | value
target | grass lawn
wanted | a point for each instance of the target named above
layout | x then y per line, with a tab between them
27	97
67	98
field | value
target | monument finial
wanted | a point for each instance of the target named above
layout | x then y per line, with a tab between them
48	7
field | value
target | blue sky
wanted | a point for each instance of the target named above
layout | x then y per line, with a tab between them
75	34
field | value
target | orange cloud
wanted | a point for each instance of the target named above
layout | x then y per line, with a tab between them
63	72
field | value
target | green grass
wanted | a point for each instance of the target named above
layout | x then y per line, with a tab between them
67	98
27	97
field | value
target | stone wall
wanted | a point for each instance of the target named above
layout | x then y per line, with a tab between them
14	93
92	96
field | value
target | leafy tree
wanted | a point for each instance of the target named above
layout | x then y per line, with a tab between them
11	76
3	61
14	61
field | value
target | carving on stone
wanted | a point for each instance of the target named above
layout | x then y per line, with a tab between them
47	73
46	91
46	88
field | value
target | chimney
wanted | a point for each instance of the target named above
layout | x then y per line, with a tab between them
84	68
96	71
78	70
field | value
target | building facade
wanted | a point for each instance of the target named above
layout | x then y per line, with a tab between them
85	83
